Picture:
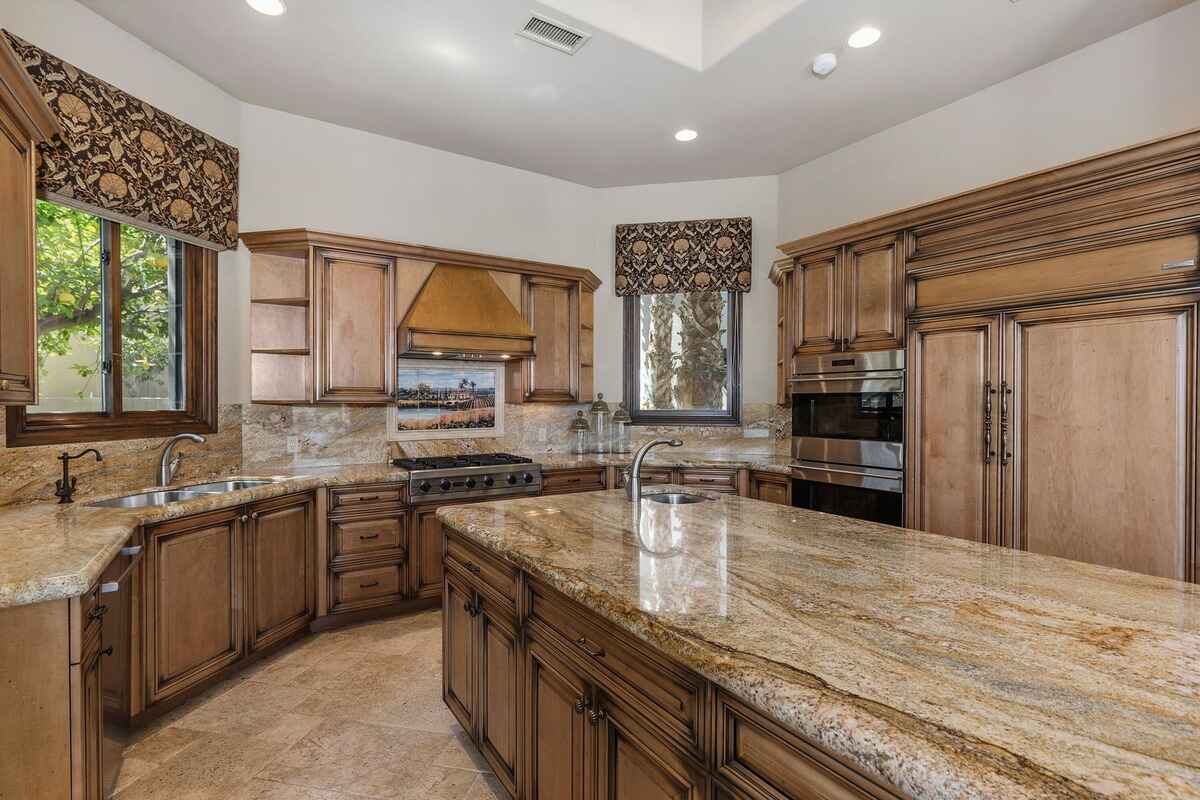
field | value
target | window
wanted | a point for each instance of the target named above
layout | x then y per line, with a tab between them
683	358
126	333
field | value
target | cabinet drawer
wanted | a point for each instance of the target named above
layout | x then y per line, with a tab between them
762	759
487	572
654	686
564	481
649	476
357	537
354	498
718	480
366	587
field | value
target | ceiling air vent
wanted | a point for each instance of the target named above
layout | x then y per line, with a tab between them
554	34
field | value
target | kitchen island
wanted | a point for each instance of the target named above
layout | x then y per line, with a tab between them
751	650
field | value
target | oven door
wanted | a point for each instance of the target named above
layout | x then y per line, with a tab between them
875	495
849	419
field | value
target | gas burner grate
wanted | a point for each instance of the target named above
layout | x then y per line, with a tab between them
453	462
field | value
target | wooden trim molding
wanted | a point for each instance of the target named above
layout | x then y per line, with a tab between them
1111	172
21	97
292	239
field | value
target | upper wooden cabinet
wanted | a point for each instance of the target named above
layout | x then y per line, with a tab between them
326	311
25	120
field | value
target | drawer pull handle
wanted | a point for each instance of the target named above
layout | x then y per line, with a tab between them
98	612
366	499
111	587
130	552
366	536
108	651
471	567
370	585
582	644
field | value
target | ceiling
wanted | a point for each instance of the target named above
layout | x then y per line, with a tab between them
451	74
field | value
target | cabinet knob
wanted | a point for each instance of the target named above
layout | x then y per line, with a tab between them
597	714
3	384
98	612
108	651
582	703
254	515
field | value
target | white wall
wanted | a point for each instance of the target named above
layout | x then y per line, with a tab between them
736	197
1139	85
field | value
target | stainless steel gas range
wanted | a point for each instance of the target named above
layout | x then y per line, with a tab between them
483	476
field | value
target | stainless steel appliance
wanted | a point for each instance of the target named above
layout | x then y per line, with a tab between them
483	476
848	435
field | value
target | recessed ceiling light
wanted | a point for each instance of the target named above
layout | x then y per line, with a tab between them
685	135
864	37
272	8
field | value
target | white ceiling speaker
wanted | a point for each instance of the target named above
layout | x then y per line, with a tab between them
272	8
824	64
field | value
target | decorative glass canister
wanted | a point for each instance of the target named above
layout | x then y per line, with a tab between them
580	434
621	433
601	435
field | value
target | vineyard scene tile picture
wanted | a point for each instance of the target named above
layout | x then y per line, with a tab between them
443	400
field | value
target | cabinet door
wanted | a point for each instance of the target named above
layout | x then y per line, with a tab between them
556	731
193	595
816	305
426	558
1102	418
280	569
953	478
458	649
552	310
88	715
18	370
635	764
771	488
357	321
783	342
873	290
499	674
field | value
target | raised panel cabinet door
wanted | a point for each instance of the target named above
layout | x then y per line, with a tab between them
552	309
89	767
357	324
458	649
816	304
771	488
427	553
557	700
873	286
18	372
194	600
499	674
635	764
280	569
1102	433
953	436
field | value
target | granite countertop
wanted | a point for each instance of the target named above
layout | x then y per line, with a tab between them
951	669
733	458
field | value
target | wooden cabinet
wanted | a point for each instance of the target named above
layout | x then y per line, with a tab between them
25	120
458	651
557	698
632	762
357	320
569	481
427	552
88	721
551	306
771	487
499	690
1065	430
280	569
815	304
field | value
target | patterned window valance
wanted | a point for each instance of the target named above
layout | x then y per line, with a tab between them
696	255
124	159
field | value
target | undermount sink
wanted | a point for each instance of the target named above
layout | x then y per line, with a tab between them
675	498
162	497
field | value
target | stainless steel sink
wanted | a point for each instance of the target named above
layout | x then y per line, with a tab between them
165	496
220	487
675	498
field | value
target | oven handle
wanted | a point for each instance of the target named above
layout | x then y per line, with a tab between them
879	382
825	473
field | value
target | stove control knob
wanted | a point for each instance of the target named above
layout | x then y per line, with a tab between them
445	485
424	486
511	479
528	477
489	481
470	483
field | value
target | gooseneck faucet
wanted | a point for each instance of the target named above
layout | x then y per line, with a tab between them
168	465
64	488
633	476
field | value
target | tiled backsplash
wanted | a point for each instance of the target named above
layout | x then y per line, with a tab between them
309	436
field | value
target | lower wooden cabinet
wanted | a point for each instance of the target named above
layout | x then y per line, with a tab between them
498	672
427	552
88	736
458	649
771	487
568	481
633	763
280	569
557	700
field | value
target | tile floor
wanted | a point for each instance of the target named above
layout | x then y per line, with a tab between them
352	713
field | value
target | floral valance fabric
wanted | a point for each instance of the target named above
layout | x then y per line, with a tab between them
126	160
691	256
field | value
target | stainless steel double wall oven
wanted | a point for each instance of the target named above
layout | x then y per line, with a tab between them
848	435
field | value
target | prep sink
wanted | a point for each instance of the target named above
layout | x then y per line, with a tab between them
162	497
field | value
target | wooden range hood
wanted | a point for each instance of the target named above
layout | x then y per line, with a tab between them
460	313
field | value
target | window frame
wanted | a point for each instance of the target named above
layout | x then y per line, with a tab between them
199	414
632	374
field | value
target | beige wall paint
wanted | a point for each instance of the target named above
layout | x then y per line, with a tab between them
1138	85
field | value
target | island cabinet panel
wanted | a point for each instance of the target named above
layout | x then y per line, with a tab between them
771	487
356	314
458	657
953	411
499	676
634	763
194	600
557	735
280	569
1102	416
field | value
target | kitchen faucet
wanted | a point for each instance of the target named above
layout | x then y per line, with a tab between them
64	489
168	465
633	475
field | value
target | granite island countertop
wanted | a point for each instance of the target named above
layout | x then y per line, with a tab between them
950	669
